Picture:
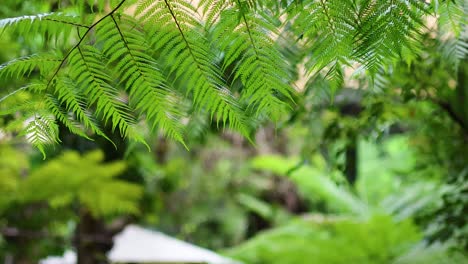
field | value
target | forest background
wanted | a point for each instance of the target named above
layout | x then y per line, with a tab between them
270	131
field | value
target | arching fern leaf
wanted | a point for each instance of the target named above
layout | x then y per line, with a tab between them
187	52
41	130
256	60
140	74
454	30
125	61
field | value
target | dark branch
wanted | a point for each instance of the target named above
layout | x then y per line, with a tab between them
182	34
81	40
123	39
248	30
66	22
452	114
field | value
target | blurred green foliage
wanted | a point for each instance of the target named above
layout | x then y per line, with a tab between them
290	187
68	179
313	182
84	179
328	239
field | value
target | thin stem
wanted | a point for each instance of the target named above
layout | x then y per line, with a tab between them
66	22
14	92
81	40
181	32
248	30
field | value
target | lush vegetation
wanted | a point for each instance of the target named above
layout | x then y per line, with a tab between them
301	131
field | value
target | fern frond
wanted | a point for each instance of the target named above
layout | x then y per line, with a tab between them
257	61
16	20
63	116
190	59
41	130
29	86
454	50
453	23
23	107
33	120
329	28
386	28
211	9
92	77
335	76
452	16
23	67
68	96
122	69
142	78
372	33
111	197
58	25
380	81
103	193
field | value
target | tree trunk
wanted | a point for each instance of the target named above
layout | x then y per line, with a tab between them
351	162
92	237
91	240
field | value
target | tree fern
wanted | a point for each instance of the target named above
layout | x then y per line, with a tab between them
105	64
88	181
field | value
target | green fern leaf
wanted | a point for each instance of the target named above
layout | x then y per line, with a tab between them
41	130
91	76
58	25
63	116
191	60
257	62
453	21
23	67
385	29
141	76
329	28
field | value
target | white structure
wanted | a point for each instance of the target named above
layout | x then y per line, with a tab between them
69	257
139	245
